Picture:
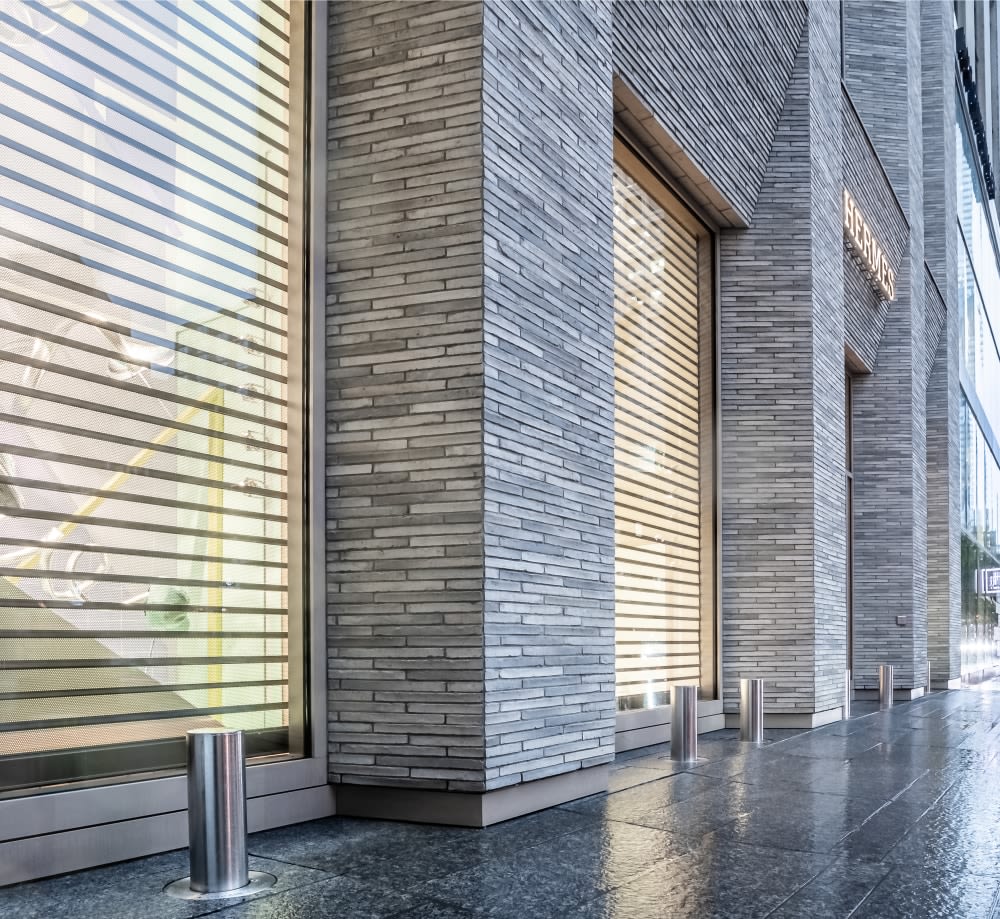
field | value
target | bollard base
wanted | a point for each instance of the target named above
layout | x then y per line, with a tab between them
259	880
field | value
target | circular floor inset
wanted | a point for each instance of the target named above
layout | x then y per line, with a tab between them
259	880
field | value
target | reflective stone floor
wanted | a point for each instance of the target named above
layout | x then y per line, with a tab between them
892	814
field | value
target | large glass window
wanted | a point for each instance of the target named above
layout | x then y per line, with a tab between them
979	285
664	558
979	302
150	322
980	475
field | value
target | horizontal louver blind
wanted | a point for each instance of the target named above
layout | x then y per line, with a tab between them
657	496
144	310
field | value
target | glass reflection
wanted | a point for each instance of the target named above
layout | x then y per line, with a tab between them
659	484
148	157
979	302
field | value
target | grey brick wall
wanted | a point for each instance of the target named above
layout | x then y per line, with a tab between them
943	390
714	76
883	66
865	311
782	403
549	389
404	391
470	370
829	444
939	166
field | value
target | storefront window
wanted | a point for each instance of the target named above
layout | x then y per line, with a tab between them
663	532
979	287
150	322
979	302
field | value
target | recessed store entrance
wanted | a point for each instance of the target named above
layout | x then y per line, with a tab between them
664	445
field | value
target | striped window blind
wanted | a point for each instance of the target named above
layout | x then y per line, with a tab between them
658	508
147	157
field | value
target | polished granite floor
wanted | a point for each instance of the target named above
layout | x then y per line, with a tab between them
892	814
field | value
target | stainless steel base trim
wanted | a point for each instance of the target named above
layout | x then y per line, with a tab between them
898	695
791	719
34	857
469	809
259	880
645	727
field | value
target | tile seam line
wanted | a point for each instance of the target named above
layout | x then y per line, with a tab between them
285	861
801	887
867	896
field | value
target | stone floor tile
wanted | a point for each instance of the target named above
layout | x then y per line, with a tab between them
428	909
929	893
654	750
133	890
512	889
891	814
333	898
800	821
413	866
532	830
854	778
608	855
340	845
831	747
833	894
882	831
642	799
957	838
629	776
716	881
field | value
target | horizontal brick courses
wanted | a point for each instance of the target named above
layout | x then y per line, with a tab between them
470	376
404	327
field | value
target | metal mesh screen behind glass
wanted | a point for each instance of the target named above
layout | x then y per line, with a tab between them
145	172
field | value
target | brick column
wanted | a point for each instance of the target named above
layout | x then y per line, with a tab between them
890	521
548	330
944	616
783	524
404	396
470	407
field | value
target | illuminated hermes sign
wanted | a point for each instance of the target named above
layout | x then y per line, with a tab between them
868	249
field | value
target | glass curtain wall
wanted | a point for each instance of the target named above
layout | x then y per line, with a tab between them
979	301
150	322
980	513
664	559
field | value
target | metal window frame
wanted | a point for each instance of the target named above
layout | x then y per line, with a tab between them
56	831
849	482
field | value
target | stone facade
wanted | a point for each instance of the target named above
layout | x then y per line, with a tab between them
943	389
890	598
549	390
718	101
468	323
782	333
405	395
865	177
470	373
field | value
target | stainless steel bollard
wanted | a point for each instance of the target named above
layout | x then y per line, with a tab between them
752	711
217	810
885	673
684	724
217	819
847	695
